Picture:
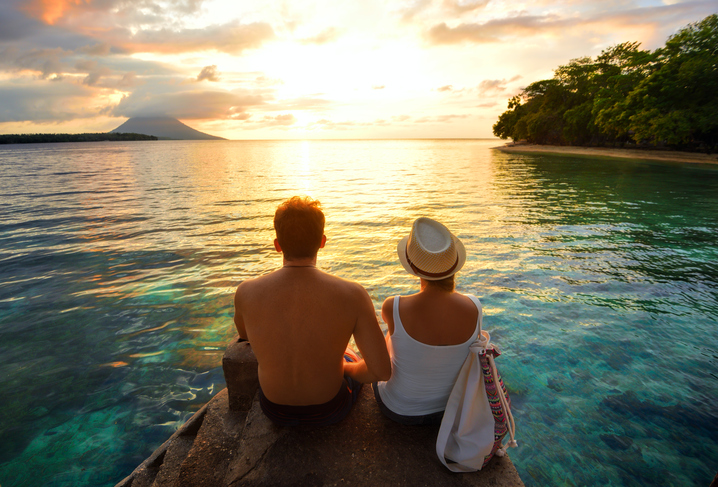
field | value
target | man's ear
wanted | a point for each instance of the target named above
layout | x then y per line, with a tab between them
276	245
324	241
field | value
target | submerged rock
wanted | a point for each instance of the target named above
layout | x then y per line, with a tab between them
616	442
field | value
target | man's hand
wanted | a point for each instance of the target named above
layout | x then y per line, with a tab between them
361	373
371	344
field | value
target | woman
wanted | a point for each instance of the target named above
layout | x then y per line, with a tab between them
429	332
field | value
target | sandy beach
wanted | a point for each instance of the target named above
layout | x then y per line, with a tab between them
640	154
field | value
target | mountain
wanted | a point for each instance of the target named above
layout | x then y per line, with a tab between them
163	128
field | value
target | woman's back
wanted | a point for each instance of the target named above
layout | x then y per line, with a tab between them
437	317
428	346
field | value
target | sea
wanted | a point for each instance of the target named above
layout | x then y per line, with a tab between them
119	260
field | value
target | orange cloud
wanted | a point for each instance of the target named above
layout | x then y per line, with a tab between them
233	38
49	11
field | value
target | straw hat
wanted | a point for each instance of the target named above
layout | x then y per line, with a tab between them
431	251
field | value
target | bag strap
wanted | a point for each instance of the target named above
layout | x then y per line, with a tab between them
477	303
510	424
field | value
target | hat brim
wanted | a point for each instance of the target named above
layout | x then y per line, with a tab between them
401	253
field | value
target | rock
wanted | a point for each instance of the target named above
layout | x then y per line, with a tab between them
215	444
616	442
240	373
234	444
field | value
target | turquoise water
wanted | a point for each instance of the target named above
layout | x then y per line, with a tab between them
118	262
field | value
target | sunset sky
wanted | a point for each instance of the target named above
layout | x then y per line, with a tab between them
301	69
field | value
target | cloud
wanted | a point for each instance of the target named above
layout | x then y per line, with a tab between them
492	86
309	102
403	120
208	73
523	25
378	87
45	102
493	30
149	69
47	62
459	7
440	8
231	38
281	121
99	49
94	71
93	77
413	9
54	12
103	27
15	26
326	124
438	118
266	81
188	104
57	63
324	37
486	87
128	80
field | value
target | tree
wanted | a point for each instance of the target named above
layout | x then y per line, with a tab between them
621	68
666	97
677	104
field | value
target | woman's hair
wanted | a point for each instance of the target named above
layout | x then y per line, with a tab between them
446	284
299	224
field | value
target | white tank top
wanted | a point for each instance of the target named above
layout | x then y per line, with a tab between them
422	375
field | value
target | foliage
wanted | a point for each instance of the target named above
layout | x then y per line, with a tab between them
41	138
668	97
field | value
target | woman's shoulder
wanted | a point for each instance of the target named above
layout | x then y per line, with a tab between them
474	305
465	298
388	304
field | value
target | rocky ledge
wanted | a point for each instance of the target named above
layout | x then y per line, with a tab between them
229	442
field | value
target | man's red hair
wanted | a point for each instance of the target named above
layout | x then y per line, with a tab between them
299	224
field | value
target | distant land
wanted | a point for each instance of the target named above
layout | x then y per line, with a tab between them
45	138
163	128
136	128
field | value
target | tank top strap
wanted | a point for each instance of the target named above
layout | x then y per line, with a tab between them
398	326
477	303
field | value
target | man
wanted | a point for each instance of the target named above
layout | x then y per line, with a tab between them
299	320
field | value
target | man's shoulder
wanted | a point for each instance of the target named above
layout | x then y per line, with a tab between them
348	285
255	282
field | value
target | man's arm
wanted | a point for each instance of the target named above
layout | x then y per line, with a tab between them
238	320
375	365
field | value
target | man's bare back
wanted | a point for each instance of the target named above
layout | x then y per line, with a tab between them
299	321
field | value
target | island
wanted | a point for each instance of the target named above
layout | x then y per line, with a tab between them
136	128
166	128
45	138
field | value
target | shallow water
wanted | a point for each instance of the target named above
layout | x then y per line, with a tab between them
118	262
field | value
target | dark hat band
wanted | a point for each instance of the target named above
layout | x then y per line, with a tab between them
437	275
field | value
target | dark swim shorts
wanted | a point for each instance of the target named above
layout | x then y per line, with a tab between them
325	414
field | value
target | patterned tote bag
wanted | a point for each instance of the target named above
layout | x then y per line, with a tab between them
478	412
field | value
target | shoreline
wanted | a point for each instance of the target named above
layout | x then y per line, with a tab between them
636	154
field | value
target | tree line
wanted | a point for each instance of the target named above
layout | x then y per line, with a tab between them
41	138
626	96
